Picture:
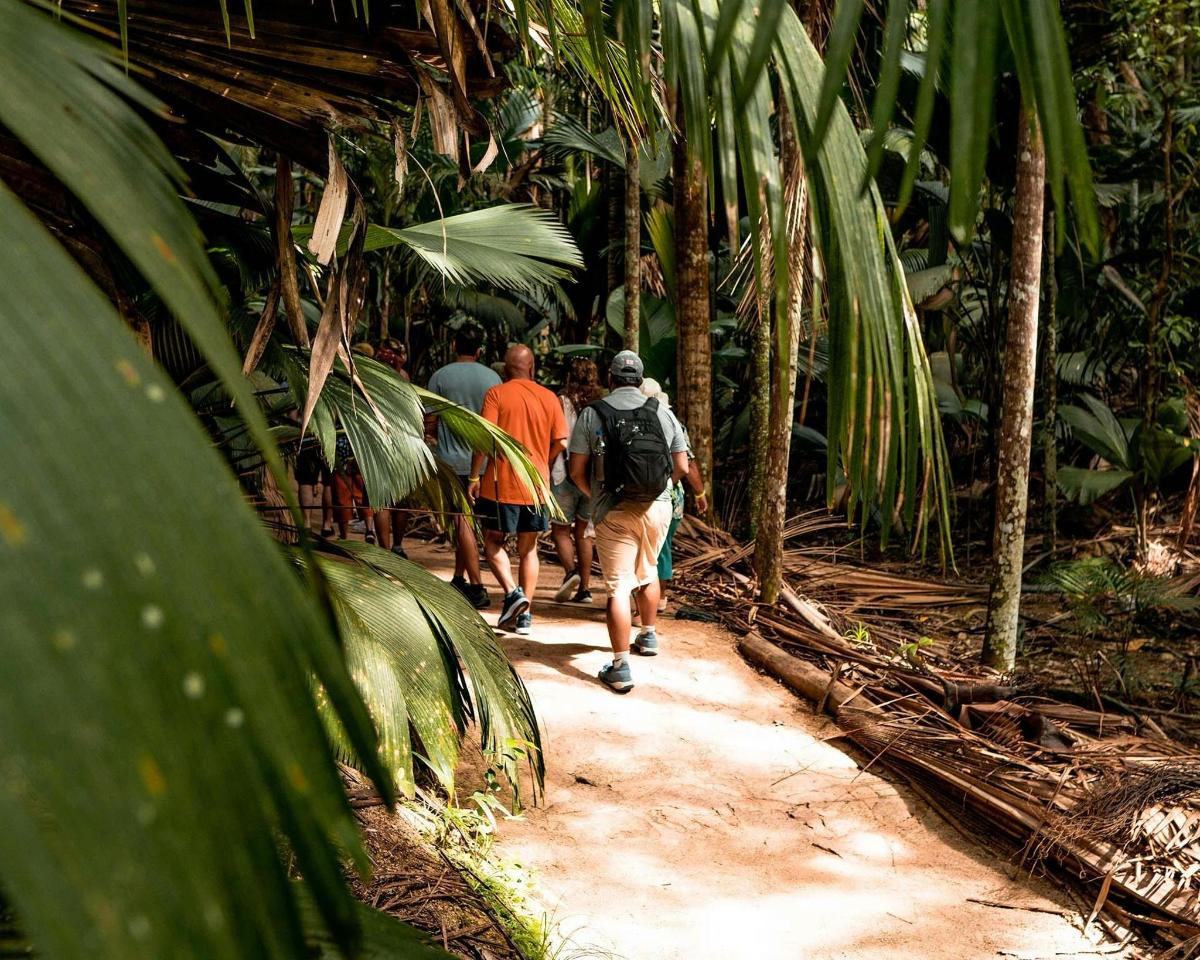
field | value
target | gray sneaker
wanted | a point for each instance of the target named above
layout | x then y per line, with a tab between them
645	644
524	624
515	604
569	585
619	679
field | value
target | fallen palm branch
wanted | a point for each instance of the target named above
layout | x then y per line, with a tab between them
1079	792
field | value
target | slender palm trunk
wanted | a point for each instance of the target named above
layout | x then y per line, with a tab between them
1050	386
633	247
760	403
693	386
1016	419
614	191
768	546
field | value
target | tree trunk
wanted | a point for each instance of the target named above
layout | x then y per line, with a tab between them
760	403
1016	419
768	546
693	317
1050	385
614	191
1152	378
633	246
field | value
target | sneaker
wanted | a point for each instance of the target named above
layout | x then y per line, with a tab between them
619	678
569	585
515	604
582	596
327	531
645	644
357	526
524	624
476	593
399	551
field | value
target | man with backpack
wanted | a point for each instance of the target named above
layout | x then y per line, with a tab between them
626	452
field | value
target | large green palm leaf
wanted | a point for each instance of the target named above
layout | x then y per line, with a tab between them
156	729
424	659
513	246
157	734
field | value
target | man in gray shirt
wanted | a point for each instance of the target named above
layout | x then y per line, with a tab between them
464	382
629	533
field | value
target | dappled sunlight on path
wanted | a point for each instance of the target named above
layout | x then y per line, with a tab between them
704	815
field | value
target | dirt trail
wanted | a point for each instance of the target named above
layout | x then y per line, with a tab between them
705	815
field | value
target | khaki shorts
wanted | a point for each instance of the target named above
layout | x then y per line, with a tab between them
628	540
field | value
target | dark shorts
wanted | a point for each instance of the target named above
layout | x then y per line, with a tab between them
511	517
310	468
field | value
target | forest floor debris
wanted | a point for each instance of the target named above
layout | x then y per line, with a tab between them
1094	796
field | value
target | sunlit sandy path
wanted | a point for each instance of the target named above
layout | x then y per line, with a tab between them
701	816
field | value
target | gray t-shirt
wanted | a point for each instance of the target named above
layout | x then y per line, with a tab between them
588	437
465	384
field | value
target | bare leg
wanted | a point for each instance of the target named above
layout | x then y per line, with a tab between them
400	521
584	547
309	502
647	603
497	560
327	505
619	622
564	545
383	527
530	566
343	503
466	552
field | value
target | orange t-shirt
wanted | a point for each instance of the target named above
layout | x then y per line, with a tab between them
531	414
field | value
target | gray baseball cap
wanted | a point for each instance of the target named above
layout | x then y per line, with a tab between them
627	365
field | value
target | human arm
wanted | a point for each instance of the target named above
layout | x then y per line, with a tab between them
579	466
557	447
679	466
580	469
489	412
696	483
477	460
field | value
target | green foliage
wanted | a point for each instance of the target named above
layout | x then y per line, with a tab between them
149	720
1133	450
514	246
1112	602
424	661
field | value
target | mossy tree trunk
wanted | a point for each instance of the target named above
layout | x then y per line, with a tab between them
633	246
1050	389
693	307
1016	417
772	504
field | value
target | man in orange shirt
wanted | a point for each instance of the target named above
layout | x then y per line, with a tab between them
531	414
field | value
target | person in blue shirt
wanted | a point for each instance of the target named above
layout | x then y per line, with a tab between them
464	381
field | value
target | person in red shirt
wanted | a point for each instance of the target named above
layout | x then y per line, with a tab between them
532	415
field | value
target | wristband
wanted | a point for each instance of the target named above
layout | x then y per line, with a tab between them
473	479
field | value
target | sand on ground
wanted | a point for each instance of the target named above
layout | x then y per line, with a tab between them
710	814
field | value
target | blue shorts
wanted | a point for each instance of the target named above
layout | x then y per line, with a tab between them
510	517
572	502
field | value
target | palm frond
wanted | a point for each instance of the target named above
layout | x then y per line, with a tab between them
513	246
884	428
1033	32
146	717
424	659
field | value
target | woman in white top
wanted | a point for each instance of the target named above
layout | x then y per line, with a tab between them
573	535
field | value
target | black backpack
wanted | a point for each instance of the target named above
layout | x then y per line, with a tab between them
637	457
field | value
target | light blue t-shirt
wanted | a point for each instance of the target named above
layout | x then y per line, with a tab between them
465	384
588	437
